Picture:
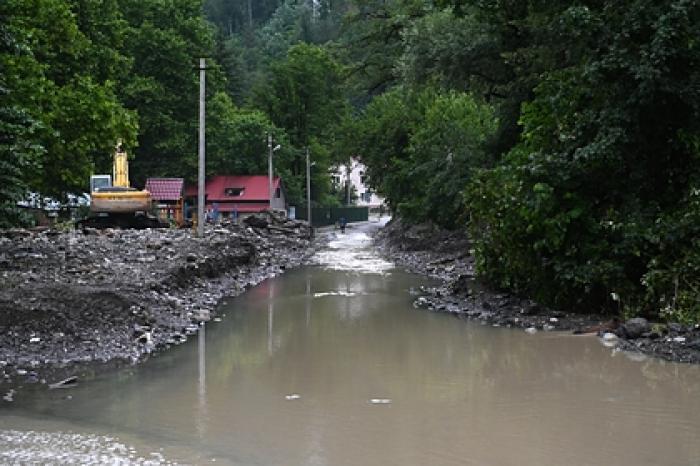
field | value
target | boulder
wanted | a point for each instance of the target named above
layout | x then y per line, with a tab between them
675	327
634	328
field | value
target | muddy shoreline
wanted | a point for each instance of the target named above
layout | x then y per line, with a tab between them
428	250
75	303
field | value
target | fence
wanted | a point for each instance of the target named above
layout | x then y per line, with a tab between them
323	216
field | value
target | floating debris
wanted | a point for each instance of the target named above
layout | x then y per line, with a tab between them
293	396
65	383
380	401
9	396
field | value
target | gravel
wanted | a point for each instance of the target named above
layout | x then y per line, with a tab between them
73	303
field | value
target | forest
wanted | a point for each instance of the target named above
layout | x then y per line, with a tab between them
564	136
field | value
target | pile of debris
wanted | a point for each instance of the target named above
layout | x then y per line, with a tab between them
118	295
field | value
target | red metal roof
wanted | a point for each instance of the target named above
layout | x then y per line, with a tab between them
255	188
165	189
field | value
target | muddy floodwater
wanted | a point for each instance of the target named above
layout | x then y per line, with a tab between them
332	365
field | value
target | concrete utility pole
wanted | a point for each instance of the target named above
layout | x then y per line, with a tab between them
201	181
308	188
347	183
269	165
271	150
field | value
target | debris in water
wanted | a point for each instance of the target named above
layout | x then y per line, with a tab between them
9	396
380	401
65	383
609	339
531	330
293	396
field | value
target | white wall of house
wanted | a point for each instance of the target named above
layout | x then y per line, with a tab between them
366	197
278	200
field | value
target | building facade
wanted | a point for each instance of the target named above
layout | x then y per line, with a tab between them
353	178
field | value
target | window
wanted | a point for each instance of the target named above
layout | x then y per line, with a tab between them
278	193
367	196
234	191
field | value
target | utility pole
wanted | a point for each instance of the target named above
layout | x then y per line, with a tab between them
347	183
269	165
200	190
308	189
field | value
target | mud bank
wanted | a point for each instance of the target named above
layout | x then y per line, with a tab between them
429	250
73	303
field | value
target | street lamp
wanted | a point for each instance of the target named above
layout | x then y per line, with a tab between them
269	163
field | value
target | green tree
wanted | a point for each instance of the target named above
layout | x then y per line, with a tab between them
165	40
609	149
421	148
19	155
237	143
56	80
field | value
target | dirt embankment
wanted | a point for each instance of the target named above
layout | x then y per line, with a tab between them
446	255
119	295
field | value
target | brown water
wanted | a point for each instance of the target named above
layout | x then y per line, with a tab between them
336	367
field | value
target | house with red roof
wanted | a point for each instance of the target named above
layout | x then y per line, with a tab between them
231	195
167	196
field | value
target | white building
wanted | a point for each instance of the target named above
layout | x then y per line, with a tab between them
355	172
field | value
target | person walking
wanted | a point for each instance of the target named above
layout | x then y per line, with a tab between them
342	223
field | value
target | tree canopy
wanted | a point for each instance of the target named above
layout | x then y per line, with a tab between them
563	136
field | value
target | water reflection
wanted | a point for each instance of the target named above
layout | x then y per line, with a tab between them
270	315
461	393
201	418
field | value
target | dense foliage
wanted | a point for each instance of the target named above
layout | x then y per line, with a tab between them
563	135
586	193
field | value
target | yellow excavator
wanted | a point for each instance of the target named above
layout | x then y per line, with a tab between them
117	204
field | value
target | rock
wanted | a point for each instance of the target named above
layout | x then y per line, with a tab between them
634	328
145	338
675	327
202	315
531	309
